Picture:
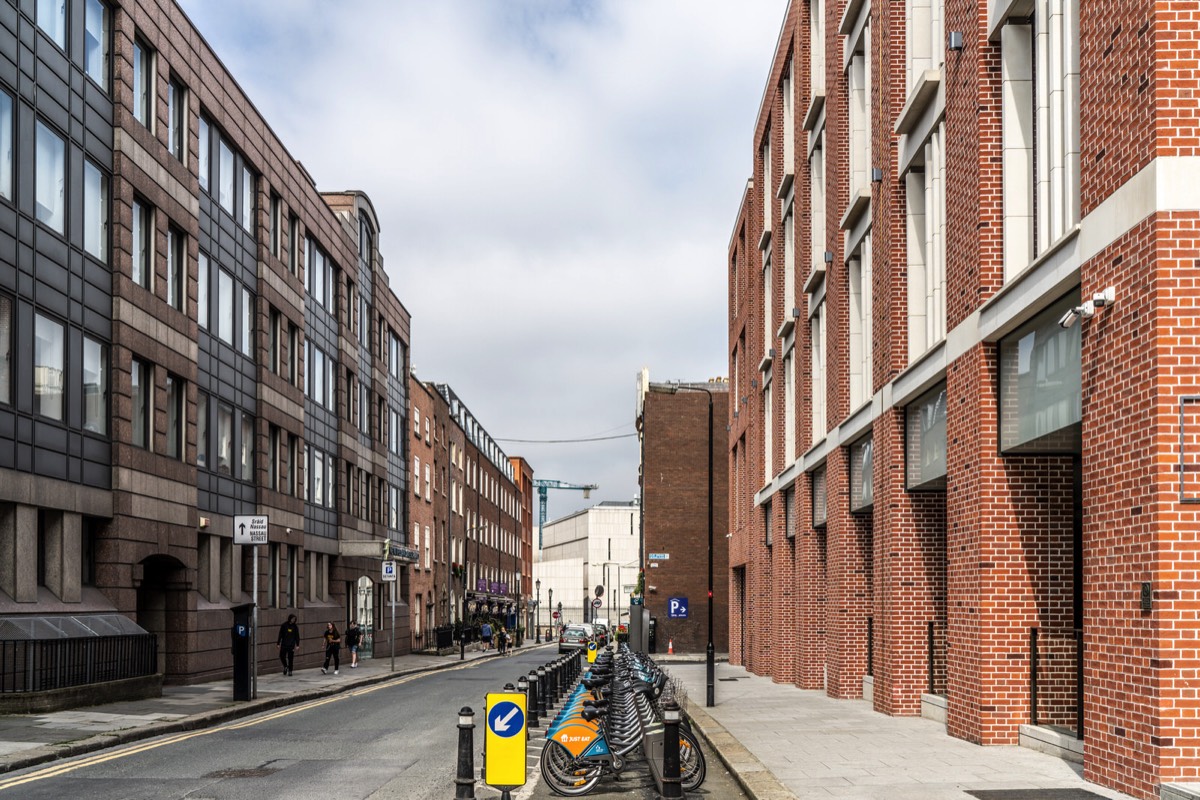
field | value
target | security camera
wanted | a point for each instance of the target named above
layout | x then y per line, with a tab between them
1085	311
1105	298
1068	319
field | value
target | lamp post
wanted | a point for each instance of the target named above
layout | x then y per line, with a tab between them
550	601
538	612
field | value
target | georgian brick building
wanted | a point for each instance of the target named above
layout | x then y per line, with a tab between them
963	402
189	331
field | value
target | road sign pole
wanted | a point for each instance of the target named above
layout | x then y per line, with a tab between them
254	628
393	626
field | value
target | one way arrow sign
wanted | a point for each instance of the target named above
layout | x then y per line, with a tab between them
250	529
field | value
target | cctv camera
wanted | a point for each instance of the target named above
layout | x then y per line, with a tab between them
1086	311
1068	319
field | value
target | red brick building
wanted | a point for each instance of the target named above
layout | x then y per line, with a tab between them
962	290
678	447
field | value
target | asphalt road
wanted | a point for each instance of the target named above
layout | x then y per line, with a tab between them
391	741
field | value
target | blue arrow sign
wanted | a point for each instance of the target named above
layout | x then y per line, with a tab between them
506	719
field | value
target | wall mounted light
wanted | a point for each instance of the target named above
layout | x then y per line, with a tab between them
876	175
828	256
955	41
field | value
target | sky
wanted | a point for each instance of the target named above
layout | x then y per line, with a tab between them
556	183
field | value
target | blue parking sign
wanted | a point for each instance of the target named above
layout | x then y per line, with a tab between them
677	608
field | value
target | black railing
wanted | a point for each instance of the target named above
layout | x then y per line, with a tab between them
39	665
871	646
1056	679
445	636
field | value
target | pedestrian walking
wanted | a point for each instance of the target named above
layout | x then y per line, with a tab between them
485	633
288	643
502	640
333	647
353	639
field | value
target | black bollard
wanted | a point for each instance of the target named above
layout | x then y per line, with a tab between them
544	701
531	712
672	786
465	782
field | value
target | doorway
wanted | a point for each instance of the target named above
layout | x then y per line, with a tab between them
162	610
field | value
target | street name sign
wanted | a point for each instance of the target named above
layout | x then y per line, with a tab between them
249	529
504	745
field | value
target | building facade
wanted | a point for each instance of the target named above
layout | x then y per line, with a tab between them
595	547
961	290
191	331
685	511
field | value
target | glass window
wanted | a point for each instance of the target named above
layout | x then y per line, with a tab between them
247	447
95	42
330	483
820	504
176	394
5	350
95	210
48	356
6	146
274	457
225	176
925	440
202	156
293	352
177	119
143	95
139	387
202	290
225	308
318	492
862	476
202	431
176	250
274	361
293	241
330	393
224	439
247	339
95	386
1041	385
247	199
52	18
276	231
50	173
142	227
318	375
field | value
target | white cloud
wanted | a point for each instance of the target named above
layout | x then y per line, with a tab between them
556	182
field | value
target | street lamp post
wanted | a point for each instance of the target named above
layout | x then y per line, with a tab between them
550	602
538	612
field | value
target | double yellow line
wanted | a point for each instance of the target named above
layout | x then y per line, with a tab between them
133	749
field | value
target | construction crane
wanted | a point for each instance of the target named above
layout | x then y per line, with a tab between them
543	485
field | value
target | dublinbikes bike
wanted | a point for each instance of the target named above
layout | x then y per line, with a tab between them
613	711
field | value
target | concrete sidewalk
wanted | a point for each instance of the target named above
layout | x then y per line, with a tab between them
28	740
782	742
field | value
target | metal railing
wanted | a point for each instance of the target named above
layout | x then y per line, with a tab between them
1056	678
39	665
936	656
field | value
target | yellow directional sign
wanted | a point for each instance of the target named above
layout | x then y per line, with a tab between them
593	648
504	742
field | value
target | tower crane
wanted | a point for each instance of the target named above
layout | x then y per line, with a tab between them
543	485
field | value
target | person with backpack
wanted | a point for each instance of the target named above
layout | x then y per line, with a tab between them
353	640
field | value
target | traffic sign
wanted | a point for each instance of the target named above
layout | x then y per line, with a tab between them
600	591
677	608
554	614
593	649
504	745
597	603
389	570
249	529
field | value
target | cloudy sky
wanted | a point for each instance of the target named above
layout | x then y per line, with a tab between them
556	182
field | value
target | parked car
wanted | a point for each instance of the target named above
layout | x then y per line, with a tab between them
601	633
574	637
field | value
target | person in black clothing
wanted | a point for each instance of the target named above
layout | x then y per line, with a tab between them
333	646
353	640
289	642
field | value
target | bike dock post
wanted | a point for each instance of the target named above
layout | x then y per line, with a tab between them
671	785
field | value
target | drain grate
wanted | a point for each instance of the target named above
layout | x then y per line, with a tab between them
260	772
1034	794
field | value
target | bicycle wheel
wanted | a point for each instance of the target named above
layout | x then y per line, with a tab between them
564	775
692	768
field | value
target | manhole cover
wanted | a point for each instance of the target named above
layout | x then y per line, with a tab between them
260	772
1034	794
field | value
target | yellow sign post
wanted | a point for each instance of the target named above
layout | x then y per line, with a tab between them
593	648
504	742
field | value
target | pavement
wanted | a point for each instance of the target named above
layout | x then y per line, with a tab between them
779	742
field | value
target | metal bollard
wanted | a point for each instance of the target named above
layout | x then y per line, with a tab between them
529	688
543	691
465	782
671	784
535	700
